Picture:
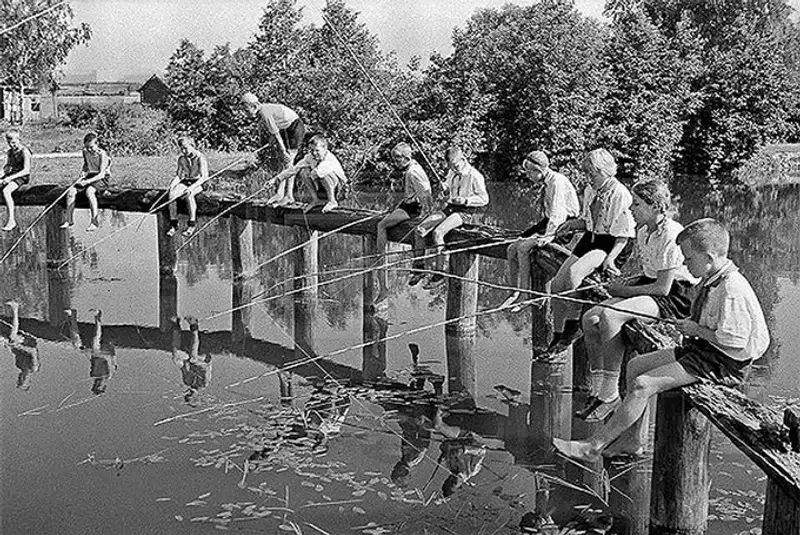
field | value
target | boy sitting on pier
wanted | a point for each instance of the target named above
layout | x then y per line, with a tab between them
417	199
559	204
661	291
95	171
726	332
321	172
16	173
608	226
192	172
467	199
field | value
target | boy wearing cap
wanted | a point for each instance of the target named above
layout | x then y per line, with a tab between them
559	202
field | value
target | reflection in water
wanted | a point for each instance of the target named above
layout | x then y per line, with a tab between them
195	370
102	357
24	348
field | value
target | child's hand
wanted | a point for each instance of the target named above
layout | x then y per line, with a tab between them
609	267
461	201
688	327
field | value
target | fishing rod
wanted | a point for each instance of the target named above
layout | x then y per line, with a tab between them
37	219
34	16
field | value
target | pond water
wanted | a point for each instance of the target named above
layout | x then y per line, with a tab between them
124	424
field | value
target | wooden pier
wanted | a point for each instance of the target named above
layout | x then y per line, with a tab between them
684	418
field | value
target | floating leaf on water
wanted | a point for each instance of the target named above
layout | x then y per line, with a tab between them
196	503
199	519
286	527
163	499
179	518
307	484
319	488
382	495
359	492
373	474
359	510
204	496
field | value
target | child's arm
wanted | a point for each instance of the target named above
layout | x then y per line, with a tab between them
105	161
572	225
734	328
609	263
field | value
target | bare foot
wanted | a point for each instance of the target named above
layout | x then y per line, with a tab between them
12	305
576	449
272	201
11	225
330	205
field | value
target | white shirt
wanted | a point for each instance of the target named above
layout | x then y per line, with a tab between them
469	184
733	312
276	117
328	167
560	201
658	251
416	183
611	213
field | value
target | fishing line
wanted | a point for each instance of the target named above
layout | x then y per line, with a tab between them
34	16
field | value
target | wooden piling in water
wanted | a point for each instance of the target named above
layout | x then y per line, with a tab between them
781	511
373	326
243	265
551	377
167	280
59	281
306	266
679	490
462	300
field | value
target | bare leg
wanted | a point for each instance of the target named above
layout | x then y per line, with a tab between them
94	210
394	218
524	261
570	275
644	387
330	190
72	193
450	222
10	188
191	202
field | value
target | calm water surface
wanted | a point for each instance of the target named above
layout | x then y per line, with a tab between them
128	429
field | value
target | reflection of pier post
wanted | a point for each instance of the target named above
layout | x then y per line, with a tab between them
59	281
462	300
167	280
306	267
243	263
373	327
551	378
679	502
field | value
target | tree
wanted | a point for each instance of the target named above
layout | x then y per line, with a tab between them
30	53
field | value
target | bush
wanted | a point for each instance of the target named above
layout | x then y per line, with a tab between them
124	129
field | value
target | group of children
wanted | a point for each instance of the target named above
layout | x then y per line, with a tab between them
685	277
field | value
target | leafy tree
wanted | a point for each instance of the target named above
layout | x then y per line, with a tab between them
31	52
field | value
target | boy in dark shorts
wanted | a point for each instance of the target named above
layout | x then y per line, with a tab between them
191	174
16	173
466	201
96	165
417	198
726	332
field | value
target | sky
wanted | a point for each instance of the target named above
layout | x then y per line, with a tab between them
136	37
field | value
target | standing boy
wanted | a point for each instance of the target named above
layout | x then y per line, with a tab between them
724	335
96	165
16	173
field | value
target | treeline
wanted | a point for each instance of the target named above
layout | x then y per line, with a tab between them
670	86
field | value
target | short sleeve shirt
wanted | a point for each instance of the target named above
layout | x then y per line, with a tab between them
470	185
328	167
560	201
417	184
733	312
658	250
276	117
190	167
607	210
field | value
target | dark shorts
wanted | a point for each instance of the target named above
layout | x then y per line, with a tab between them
293	135
701	359
471	215
541	227
413	209
676	304
604	242
22	180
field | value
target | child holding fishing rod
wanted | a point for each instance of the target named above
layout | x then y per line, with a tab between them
416	200
192	172
465	188
662	290
724	335
559	202
287	129
608	226
16	173
96	169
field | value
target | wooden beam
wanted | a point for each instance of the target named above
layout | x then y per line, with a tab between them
462	300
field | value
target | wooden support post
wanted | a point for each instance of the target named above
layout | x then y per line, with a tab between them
59	281
167	280
781	511
374	327
630	495
679	491
244	265
306	267
462	300
551	378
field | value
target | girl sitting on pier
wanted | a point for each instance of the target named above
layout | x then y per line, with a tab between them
96	164
608	224
662	290
192	172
